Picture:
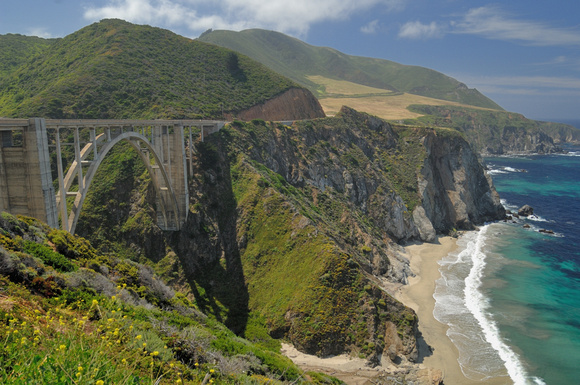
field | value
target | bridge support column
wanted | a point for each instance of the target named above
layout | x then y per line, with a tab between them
178	172
25	178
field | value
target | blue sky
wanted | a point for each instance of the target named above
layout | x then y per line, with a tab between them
525	55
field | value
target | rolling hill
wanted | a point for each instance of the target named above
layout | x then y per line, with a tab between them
300	62
115	69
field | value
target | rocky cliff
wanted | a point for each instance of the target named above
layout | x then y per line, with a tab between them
499	132
295	229
292	104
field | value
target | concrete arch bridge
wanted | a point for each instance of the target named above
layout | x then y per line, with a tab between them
31	149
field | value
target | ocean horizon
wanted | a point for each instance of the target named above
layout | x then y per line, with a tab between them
511	292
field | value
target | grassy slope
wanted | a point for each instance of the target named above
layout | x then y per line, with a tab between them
95	322
114	69
304	248
379	87
298	60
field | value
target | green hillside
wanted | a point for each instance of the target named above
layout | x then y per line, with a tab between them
114	69
298	60
16	49
70	314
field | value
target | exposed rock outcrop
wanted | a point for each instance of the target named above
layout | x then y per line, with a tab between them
292	104
525	211
455	190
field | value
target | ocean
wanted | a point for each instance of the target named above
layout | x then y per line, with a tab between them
510	293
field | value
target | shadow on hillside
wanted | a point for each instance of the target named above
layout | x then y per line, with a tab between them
207	246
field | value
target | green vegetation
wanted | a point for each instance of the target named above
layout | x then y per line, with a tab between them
299	61
403	165
122	178
16	49
67	328
114	69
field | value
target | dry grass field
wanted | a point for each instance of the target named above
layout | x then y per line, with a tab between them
383	103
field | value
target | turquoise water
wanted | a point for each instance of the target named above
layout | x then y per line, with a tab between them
511	295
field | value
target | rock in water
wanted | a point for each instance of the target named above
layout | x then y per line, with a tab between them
525	211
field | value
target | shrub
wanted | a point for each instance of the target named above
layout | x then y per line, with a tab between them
47	287
48	256
71	246
91	279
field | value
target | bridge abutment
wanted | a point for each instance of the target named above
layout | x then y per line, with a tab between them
25	178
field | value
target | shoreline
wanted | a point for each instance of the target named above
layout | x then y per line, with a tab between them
418	295
436	350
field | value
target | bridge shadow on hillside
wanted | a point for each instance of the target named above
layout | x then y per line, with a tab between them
207	245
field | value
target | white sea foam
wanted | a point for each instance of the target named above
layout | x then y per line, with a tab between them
461	303
536	218
571	153
496	172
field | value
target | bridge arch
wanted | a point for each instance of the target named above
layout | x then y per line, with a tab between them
167	204
31	150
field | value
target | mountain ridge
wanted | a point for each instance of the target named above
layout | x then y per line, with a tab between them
297	60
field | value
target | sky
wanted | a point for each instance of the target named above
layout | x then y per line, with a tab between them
525	55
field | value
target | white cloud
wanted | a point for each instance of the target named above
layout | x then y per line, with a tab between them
371	27
40	32
492	23
293	17
418	30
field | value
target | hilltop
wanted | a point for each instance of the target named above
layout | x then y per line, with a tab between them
114	69
310	65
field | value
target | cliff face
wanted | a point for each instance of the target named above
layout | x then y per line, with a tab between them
293	104
298	227
517	140
456	192
395	176
499	132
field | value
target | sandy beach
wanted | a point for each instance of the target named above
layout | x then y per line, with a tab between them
419	296
436	351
